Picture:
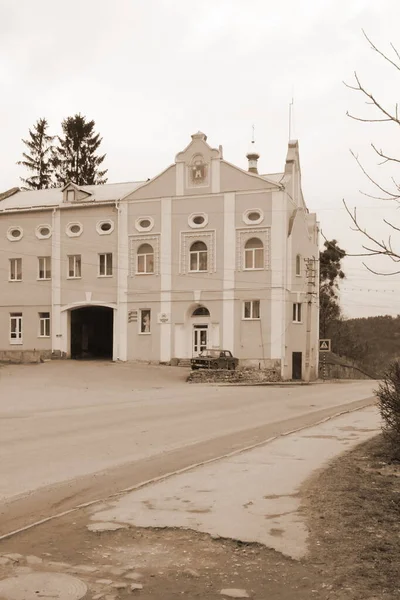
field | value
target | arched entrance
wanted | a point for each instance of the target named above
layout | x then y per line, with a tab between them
200	326
92	332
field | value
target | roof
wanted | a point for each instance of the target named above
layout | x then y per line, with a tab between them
277	177
54	196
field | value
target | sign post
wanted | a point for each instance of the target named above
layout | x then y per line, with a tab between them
324	347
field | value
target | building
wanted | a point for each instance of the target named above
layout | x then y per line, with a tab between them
204	255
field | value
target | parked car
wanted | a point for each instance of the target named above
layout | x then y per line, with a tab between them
215	359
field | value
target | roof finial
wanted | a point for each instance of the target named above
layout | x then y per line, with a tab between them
252	154
291	119
252	139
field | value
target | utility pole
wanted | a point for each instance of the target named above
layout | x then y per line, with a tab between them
311	274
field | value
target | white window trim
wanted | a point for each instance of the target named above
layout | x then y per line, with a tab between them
135	242
194	225
249	221
244	318
39	235
187	239
100	223
13	228
45	258
197	252
252	251
144	229
71	233
297	304
145	261
140	322
74	276
243	235
16	341
99	274
9	272
40	321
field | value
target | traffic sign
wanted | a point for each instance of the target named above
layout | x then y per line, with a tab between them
324	345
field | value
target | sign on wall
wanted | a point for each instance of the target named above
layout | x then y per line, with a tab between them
164	318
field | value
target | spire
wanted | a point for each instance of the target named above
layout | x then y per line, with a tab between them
253	156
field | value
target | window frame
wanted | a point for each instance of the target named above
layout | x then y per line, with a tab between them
45	321
108	257
45	269
103	222
10	237
18	316
298	265
10	272
252	252
139	227
196	254
41	236
252	303
297	312
141	321
70	233
146	259
248	212
75	261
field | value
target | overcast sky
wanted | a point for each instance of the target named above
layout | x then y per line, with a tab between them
152	72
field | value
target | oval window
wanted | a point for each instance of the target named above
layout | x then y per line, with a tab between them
75	229
14	234
44	231
144	223
253	216
199	220
105	226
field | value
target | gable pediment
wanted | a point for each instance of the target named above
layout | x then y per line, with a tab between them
72	193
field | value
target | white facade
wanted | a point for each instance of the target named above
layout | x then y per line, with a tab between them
203	255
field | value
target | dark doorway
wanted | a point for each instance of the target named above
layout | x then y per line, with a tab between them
296	365
92	332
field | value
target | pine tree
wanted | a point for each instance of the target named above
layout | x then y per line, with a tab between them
39	159
330	275
75	158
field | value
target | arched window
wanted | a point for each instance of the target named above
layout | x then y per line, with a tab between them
254	254
198	257
201	311
298	264
145	259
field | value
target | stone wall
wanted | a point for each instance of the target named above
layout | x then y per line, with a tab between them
238	376
24	356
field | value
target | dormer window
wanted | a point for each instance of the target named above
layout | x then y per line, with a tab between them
70	195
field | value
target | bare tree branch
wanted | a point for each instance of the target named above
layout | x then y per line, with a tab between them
392	196
382	54
374	101
378	273
385	156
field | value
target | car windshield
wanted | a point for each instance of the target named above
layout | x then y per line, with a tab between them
210	353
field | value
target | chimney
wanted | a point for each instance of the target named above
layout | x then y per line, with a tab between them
253	156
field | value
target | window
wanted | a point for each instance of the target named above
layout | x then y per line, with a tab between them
44	324
43	232
74	266
198	257
74	229
144	223
298	264
198	220
105	227
201	311
14	234
254	254
145	320
253	216
44	267
70	195
105	265
15	269
251	309
15	328
297	312
145	259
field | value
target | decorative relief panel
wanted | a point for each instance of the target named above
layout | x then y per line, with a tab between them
246	234
198	172
187	239
137	240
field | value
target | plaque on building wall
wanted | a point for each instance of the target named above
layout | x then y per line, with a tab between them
198	170
164	318
132	316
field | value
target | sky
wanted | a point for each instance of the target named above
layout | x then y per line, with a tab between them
152	72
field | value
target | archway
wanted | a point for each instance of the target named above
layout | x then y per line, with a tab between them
92	332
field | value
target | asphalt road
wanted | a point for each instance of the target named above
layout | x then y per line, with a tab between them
71	432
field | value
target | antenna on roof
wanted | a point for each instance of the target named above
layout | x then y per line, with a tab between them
291	116
252	138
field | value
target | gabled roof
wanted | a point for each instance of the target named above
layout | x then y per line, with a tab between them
54	196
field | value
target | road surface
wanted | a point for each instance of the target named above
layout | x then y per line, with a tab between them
72	431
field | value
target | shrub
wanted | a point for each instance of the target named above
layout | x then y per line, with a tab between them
388	394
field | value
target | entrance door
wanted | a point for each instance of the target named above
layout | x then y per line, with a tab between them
297	359
200	339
